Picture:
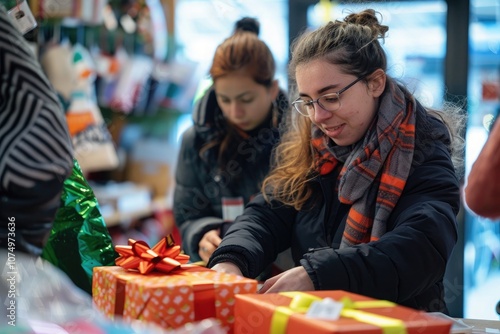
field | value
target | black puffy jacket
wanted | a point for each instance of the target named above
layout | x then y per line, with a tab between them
201	184
406	265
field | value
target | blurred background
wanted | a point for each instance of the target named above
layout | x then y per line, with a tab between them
142	63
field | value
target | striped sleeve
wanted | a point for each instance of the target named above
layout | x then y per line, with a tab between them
36	153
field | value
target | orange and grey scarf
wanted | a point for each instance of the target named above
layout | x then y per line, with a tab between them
373	171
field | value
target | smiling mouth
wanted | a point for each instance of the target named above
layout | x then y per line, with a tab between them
334	127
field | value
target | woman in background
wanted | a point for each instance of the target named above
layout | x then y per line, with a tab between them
225	155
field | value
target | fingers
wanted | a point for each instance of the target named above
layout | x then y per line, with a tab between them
268	284
295	279
208	244
265	287
205	253
213	238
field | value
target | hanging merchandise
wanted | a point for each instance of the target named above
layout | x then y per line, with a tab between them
89	11
131	82
181	75
86	11
152	92
154	25
170	85
79	240
108	68
22	17
51	8
94	147
57	63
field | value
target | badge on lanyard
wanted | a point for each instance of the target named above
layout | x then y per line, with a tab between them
232	207
22	17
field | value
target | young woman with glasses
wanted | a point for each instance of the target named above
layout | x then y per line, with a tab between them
363	188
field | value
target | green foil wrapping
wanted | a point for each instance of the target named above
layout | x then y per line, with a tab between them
79	239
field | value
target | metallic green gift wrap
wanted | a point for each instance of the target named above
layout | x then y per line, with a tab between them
79	240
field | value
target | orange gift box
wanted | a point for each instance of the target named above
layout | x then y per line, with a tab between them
169	300
275	313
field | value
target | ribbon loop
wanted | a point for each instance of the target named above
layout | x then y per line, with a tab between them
165	256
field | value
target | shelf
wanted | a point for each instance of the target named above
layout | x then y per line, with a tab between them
126	218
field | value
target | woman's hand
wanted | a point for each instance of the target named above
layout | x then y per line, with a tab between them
227	267
295	279
208	244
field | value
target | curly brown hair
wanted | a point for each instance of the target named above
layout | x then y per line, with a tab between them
353	45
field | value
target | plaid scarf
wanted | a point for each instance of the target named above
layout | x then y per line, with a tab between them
373	171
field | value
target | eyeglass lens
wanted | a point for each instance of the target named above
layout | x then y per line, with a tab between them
329	102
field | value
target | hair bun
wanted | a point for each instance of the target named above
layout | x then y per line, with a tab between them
368	17
247	24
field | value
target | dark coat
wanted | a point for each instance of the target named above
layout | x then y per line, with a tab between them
406	265
201	183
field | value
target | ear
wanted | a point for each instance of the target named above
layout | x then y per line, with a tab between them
274	90
376	82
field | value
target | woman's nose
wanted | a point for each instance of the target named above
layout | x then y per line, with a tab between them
320	114
236	110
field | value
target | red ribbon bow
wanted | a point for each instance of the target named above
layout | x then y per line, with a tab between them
164	256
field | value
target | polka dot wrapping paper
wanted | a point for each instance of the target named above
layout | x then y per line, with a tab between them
169	300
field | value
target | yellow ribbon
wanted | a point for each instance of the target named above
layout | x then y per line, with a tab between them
301	302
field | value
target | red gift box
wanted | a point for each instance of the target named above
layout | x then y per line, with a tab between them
152	285
169	300
279	313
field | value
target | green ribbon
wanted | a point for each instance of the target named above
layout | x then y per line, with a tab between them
301	302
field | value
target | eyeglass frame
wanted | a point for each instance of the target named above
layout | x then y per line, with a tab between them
299	99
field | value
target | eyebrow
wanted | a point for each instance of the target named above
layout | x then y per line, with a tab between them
322	90
236	97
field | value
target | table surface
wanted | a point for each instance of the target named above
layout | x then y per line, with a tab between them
483	326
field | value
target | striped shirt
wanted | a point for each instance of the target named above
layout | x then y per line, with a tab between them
35	147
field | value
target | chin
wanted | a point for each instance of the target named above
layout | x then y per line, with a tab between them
342	142
245	127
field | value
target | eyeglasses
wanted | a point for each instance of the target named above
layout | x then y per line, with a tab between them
330	102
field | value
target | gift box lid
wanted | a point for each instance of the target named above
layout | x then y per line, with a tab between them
254	313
